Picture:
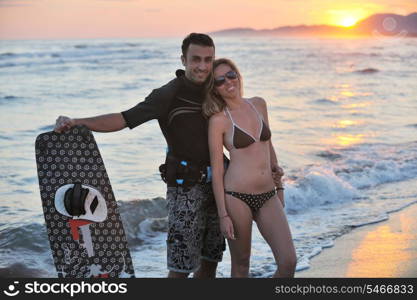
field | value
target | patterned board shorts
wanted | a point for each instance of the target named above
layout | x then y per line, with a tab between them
193	228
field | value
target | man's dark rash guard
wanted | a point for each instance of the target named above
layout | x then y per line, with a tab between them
177	107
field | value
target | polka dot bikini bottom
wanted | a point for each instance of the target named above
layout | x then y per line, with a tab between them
254	201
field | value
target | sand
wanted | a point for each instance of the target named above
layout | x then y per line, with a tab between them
385	250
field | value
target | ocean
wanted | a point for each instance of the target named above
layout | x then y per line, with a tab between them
342	115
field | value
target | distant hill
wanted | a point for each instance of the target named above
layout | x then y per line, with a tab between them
388	24
376	25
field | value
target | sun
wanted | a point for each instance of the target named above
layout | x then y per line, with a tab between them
348	21
347	17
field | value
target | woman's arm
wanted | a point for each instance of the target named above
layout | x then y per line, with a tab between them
277	174
215	134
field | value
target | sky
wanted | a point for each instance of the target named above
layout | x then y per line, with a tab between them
60	19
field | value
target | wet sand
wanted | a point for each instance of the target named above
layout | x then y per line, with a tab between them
386	249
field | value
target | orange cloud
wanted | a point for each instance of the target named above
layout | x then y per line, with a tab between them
145	18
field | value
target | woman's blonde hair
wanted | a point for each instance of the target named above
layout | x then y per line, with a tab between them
215	103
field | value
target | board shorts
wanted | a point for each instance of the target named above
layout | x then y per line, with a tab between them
193	228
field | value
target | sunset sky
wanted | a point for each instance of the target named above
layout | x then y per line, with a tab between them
45	19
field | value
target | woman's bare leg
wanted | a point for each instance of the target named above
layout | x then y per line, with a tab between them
241	216
273	226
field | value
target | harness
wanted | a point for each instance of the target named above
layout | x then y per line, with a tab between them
178	172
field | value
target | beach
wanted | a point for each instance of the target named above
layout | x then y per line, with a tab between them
340	113
386	249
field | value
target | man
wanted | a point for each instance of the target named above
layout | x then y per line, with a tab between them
194	243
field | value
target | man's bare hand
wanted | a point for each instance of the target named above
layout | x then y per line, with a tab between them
63	124
277	174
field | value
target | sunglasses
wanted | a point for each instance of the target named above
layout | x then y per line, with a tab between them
219	81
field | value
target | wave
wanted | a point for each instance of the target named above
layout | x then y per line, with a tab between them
329	154
5	138
150	211
19	270
81	46
9	98
347	172
7	65
316	186
31	237
45	128
133	44
141	220
379	219
367	71
7	54
79	56
90	53
369	165
358	54
107	45
324	101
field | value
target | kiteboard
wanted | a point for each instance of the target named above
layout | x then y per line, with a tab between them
83	223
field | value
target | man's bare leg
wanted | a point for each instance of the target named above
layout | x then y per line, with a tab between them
172	274
207	270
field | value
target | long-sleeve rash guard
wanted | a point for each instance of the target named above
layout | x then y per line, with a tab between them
178	108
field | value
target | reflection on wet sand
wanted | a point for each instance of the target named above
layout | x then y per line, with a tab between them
383	252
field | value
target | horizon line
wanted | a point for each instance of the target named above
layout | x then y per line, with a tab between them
182	36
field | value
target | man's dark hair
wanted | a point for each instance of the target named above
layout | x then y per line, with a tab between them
200	39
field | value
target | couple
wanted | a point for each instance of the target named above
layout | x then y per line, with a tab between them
198	112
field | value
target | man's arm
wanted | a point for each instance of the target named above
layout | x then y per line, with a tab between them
103	123
156	105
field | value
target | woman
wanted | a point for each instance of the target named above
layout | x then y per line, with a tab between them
246	191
